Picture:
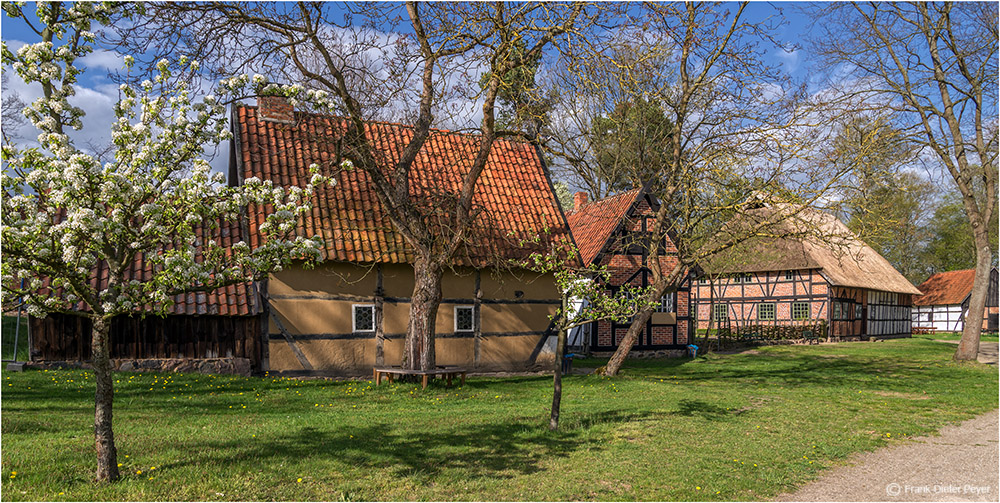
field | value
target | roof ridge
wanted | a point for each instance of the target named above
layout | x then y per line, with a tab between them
512	139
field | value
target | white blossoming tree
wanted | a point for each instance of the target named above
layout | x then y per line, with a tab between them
65	214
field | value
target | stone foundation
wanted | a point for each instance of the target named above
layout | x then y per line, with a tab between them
660	353
237	366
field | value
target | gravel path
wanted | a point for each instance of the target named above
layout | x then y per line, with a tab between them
988	351
959	465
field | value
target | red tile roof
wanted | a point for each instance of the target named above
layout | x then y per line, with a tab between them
513	193
593	224
945	288
234	300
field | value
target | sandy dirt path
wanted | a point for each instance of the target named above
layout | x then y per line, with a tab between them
959	465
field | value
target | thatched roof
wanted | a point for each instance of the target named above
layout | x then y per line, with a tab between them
812	239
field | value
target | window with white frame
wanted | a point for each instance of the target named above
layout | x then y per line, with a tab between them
666	303
721	312
789	275
465	320
364	318
766	311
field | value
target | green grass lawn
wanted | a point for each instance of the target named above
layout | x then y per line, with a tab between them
8	324
722	427
954	336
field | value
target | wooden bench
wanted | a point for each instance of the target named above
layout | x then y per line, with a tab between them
924	330
811	337
446	371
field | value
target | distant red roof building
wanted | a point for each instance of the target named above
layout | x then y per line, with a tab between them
945	288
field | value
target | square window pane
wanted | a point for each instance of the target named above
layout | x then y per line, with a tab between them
800	310
364	318
463	319
765	311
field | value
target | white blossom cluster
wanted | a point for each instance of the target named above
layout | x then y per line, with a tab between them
589	283
66	213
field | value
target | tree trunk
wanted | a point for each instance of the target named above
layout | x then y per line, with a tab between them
625	346
557	375
419	346
107	454
968	346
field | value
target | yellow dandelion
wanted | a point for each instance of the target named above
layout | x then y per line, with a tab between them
299	480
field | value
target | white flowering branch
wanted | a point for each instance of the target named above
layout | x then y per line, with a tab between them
65	214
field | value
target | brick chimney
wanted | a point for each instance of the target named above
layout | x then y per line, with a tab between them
275	109
579	200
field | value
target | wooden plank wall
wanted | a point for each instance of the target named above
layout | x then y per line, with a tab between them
60	337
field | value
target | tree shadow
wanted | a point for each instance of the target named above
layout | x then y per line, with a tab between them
482	450
704	410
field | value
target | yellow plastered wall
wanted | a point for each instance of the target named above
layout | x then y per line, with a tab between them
304	300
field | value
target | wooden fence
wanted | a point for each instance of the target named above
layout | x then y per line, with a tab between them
753	334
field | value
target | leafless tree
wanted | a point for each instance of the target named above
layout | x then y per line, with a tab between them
935	65
407	60
13	119
738	143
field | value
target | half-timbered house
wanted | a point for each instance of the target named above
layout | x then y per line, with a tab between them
824	278
351	311
611	232
945	301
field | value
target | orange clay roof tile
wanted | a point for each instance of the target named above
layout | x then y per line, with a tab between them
593	224
513	192
945	288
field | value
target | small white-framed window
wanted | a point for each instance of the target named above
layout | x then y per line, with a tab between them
666	303
363	318
465	320
789	275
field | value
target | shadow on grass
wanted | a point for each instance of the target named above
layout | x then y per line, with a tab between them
479	450
704	410
882	366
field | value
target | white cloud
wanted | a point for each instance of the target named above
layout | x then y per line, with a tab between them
789	58
103	59
98	104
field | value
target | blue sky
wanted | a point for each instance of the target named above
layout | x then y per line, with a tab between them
97	93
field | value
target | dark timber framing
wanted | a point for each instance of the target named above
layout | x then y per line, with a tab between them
848	311
626	241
